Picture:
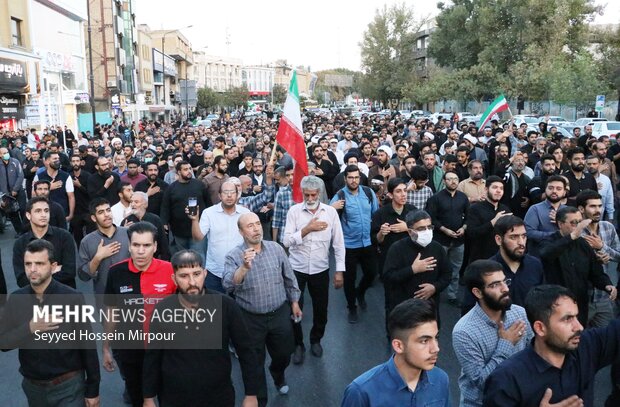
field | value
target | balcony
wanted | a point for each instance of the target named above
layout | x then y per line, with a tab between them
120	25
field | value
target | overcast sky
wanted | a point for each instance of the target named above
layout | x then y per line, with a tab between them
321	34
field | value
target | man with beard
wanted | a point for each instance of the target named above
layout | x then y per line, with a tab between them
133	176
481	219
325	169
408	163
214	181
492	331
462	156
387	171
80	223
603	183
138	203
516	183
582	141
448	209
607	167
312	230
568	260
178	376
347	142
175	200
578	179
154	187
31	165
217	223
367	156
536	187
540	222
560	366
603	239
61	183
104	183
474	186
351	158
435	174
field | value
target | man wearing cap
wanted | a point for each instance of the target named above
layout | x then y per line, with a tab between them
333	147
475	152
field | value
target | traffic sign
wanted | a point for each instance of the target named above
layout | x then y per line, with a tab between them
600	103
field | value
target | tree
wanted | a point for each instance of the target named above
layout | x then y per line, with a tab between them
609	63
208	99
235	97
388	60
279	94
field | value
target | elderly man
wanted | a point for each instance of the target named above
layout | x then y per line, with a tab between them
261	278
138	205
312	229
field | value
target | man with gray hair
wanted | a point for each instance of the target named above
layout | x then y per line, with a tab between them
138	205
312	229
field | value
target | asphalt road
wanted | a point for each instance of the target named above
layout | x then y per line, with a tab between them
349	350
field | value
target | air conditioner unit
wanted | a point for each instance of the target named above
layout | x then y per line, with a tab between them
111	84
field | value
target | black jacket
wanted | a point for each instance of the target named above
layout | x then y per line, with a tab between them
480	230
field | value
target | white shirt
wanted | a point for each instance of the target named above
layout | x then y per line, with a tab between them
310	254
606	191
119	212
342	145
222	233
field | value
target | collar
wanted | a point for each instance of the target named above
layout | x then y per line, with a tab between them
220	208
49	232
133	269
539	363
398	379
321	208
51	288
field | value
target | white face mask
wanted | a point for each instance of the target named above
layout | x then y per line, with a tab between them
424	238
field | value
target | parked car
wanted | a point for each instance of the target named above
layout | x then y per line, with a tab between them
531	120
607	128
554	121
584	121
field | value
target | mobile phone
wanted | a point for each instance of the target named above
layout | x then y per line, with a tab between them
192	203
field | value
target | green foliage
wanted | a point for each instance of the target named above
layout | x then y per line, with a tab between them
235	97
387	53
208	99
279	94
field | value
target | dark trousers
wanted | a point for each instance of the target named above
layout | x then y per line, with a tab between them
318	287
130	365
81	224
69	393
274	332
365	257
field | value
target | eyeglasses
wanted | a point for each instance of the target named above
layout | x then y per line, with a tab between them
423	228
229	192
497	284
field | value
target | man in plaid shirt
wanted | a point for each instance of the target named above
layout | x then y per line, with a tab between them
417	191
282	203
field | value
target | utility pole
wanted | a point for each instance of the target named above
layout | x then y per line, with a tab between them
91	76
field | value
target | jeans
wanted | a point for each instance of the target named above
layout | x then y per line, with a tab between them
455	256
274	332
67	394
318	287
363	256
600	313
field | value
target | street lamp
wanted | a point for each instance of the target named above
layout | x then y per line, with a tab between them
163	60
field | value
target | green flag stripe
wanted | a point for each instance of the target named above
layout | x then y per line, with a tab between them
292	88
498	101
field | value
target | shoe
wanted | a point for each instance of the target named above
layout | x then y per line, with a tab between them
362	302
282	388
299	355
316	349
353	316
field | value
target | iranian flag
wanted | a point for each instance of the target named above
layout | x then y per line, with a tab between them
498	105
291	137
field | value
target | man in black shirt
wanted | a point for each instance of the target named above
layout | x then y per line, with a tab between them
173	206
104	183
416	267
560	366
57	213
578	179
154	186
138	204
38	214
53	375
481	219
31	165
448	209
81	223
199	377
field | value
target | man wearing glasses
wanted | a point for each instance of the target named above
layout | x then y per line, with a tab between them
416	267
489	333
569	261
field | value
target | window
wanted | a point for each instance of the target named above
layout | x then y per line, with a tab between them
16	32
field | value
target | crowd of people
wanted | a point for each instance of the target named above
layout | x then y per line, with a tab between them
516	227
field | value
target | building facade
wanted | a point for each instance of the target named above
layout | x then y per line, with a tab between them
217	72
259	80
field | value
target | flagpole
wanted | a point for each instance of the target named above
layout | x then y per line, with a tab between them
273	152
